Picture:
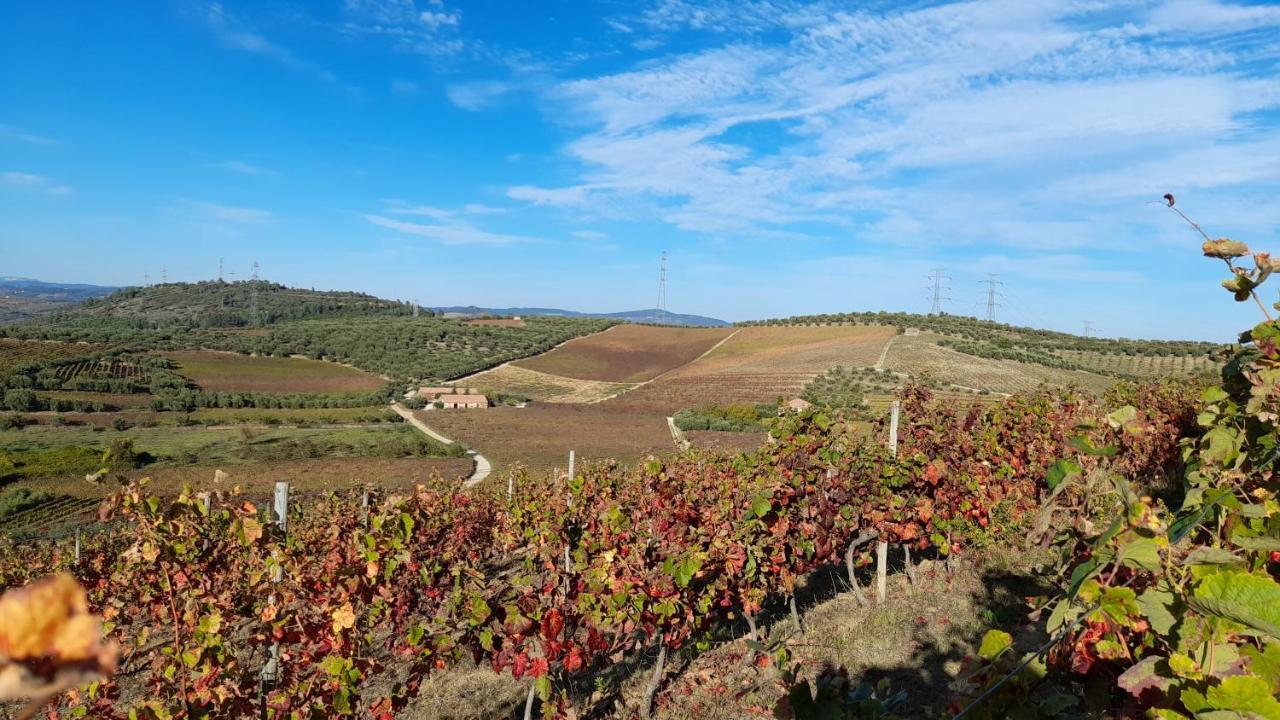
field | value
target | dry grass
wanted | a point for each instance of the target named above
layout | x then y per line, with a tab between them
543	387
231	372
541	436
627	353
919	355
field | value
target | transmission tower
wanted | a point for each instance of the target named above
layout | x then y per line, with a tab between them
219	269
991	283
164	275
662	282
253	296
937	288
1088	327
146	279
415	307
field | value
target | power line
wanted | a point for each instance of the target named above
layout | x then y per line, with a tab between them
937	288
991	283
1088	327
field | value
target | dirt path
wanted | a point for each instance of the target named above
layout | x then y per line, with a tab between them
884	353
710	350
483	467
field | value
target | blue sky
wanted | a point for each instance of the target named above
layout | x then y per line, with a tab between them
789	157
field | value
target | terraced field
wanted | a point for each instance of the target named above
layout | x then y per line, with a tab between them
627	353
1140	365
16	353
543	387
232	372
758	364
920	357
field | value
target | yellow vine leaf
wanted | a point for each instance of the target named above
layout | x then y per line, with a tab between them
49	641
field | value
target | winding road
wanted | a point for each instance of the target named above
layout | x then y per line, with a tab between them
483	466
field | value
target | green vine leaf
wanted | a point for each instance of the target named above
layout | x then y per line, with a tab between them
1251	600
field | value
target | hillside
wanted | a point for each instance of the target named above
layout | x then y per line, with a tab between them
24	298
652	316
1114	357
216	303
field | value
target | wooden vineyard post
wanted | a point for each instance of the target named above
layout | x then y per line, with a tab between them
567	568
271	669
893	427
882	573
280	507
364	508
882	548
77	546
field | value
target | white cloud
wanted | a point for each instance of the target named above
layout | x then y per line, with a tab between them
451	233
401	207
232	214
9	132
949	123
476	96
243	168
425	30
40	183
589	235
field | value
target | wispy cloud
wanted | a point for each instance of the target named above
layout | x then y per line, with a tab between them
427	29
934	124
8	132
402	207
589	235
231	213
476	96
236	35
38	183
453	232
244	168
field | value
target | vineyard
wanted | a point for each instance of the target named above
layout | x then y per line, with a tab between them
18	353
1153	509
556	582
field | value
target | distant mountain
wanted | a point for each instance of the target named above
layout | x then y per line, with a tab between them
25	298
655	316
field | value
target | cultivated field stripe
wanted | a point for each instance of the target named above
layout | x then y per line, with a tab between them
710	350
495	367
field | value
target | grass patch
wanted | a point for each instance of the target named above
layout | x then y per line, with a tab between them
72	451
231	372
18	500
